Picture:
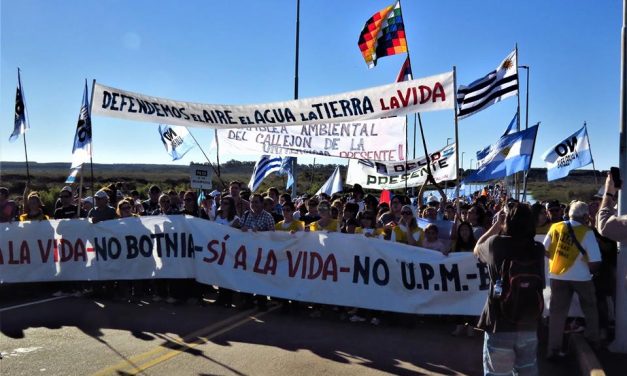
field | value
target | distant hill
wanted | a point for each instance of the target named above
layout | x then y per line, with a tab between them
51	176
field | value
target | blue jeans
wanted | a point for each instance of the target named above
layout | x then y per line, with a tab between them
510	353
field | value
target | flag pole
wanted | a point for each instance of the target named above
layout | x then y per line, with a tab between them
456	140
417	115
596	179
80	194
26	157
206	157
620	339
294	163
533	148
215	135
91	148
517	175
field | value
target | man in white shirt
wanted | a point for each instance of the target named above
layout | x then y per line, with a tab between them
570	270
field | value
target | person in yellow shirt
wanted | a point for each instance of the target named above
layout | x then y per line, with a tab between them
34	209
368	227
325	223
289	223
407	230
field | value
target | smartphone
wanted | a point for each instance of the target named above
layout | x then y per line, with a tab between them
615	171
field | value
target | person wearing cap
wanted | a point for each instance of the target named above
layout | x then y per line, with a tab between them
102	211
610	224
152	203
432	200
571	264
8	208
34	209
87	204
67	209
554	211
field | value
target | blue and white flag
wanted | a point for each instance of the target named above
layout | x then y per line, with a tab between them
81	151
512	153
481	154
21	120
72	178
569	154
333	183
493	87
176	140
268	164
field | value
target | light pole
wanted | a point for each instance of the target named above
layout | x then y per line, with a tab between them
470	168
447	140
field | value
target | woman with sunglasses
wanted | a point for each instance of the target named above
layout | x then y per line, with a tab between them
407	230
289	223
325	223
125	209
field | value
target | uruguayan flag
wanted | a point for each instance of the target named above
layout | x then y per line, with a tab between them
569	154
176	140
511	154
81	151
269	164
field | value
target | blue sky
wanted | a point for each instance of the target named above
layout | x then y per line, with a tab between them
238	52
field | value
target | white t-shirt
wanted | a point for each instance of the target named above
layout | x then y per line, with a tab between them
225	221
580	270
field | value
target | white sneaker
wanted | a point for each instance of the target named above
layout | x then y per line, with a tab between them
58	294
375	321
156	298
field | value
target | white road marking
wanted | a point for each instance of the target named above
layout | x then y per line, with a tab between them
32	303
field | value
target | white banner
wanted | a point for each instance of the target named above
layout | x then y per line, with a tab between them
385	175
327	268
420	95
378	139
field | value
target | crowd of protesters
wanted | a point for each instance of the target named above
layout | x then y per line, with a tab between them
586	267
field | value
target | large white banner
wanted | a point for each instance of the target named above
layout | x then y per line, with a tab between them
327	268
378	139
420	95
388	175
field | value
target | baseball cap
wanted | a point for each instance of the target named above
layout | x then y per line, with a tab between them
101	194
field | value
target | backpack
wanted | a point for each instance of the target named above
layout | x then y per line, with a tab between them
521	299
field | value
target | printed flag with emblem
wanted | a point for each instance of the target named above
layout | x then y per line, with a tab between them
492	88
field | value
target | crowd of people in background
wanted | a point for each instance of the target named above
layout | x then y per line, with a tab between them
438	224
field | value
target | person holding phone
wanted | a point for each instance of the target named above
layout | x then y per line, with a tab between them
609	224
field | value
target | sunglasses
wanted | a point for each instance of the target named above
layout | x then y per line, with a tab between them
189	199
125	207
406	213
65	196
164	201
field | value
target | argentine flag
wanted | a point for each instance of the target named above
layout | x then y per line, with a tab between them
512	153
569	154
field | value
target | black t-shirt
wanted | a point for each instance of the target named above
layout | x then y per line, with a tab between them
493	252
66	212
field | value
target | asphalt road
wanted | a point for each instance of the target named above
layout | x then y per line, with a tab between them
86	336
